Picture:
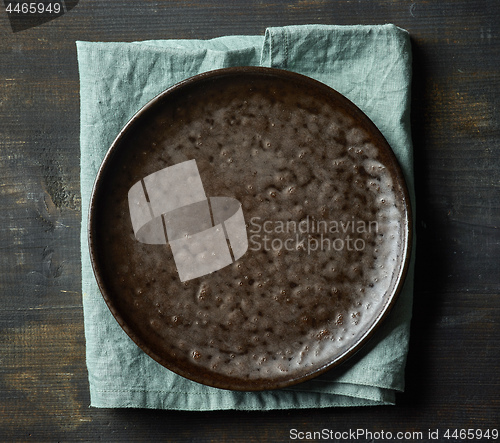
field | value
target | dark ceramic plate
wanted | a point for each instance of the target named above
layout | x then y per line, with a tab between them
250	228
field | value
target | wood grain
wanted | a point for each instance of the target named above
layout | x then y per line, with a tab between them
453	365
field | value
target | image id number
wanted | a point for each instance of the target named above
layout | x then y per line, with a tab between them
471	434
33	8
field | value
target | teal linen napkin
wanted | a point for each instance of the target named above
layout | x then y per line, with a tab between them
371	65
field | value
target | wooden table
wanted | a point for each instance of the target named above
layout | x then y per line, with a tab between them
453	368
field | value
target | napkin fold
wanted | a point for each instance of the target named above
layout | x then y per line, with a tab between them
370	65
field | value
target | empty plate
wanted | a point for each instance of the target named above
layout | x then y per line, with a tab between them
250	228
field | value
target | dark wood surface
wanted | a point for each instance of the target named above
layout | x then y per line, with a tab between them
453	368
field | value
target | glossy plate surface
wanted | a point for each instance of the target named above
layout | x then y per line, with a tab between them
250	228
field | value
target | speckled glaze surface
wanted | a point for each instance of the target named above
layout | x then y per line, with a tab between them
327	217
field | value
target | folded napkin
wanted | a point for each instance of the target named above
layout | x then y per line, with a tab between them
371	65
